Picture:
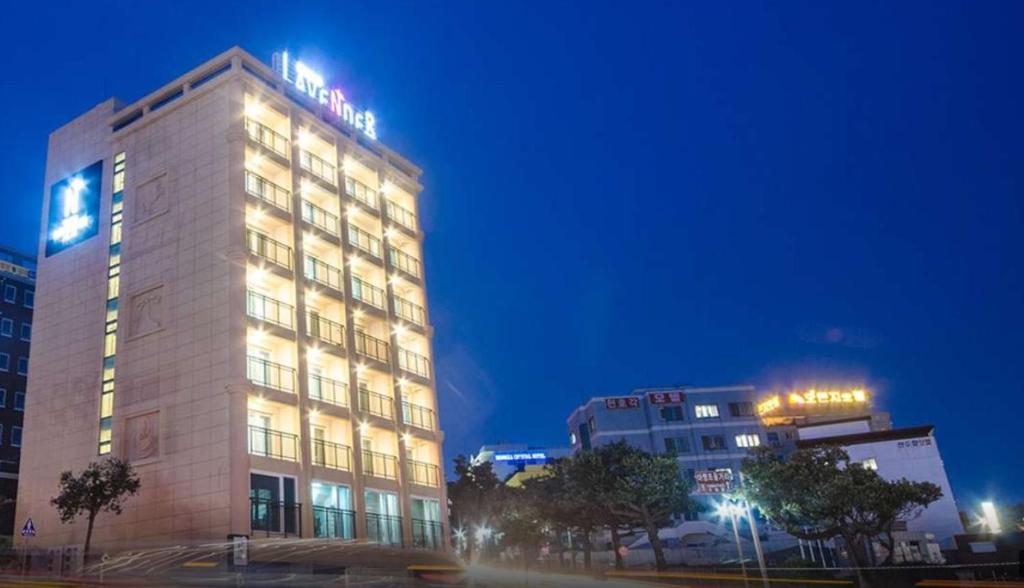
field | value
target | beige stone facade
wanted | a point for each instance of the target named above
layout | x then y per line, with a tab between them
272	346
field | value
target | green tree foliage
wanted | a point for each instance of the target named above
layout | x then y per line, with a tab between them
476	497
818	493
650	490
101	487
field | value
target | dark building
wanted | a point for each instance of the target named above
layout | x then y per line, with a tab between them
17	297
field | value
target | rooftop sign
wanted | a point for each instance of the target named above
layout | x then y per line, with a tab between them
521	456
311	84
814	398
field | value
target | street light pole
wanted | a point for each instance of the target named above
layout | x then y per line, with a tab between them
757	544
736	535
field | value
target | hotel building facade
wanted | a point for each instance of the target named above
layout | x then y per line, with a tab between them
231	296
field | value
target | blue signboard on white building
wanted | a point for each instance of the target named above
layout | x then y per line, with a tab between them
74	209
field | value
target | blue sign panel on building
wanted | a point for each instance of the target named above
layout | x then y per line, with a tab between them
74	209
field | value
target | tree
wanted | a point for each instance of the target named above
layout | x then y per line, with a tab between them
101	487
650	490
817	493
593	476
476	497
521	523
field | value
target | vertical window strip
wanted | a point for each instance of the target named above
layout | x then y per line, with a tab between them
113	288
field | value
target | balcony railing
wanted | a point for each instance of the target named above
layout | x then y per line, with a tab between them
328	390
427	534
368	293
267	191
268	374
325	329
422	473
273	251
267	137
322	273
371	346
418	416
380	465
269	310
334	522
332	455
271	516
409	311
271	443
318	167
363	241
401	215
413	362
318	217
361	192
384	529
376	404
405	262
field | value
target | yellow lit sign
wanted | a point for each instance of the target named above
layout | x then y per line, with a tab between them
812	396
768	405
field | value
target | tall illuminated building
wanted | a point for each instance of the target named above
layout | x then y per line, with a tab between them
231	296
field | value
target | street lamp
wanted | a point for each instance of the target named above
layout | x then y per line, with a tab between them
990	518
732	510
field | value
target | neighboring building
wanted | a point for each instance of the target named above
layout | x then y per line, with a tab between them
708	429
247	255
516	463
17	299
907	452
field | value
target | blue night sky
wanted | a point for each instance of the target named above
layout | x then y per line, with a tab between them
649	193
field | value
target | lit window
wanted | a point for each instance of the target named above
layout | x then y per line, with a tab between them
5	362
870	464
10	293
23	366
16	436
19	401
30	298
26	332
6	327
706	411
748	440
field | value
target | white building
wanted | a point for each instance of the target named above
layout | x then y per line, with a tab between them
909	452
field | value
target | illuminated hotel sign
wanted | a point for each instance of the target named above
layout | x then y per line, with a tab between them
814	398
521	456
311	84
74	208
713	481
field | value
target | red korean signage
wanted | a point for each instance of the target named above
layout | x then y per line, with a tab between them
622	402
666	397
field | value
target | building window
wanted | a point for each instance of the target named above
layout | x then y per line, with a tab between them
713	442
6	327
3	398
10	293
5	362
773	439
30	298
23	366
706	411
677	445
748	440
572	438
19	401
26	331
16	436
1	434
591	424
671	413
870	464
741	409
